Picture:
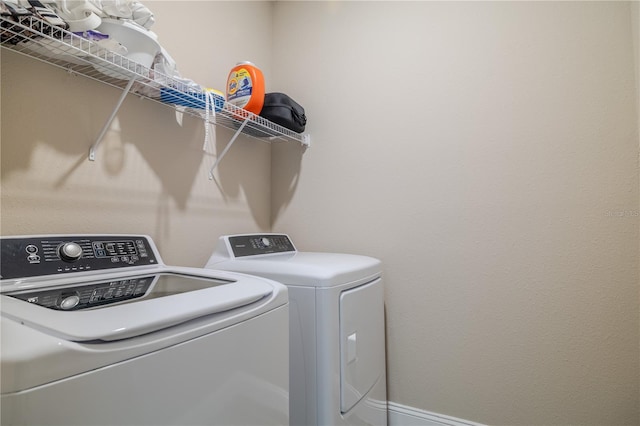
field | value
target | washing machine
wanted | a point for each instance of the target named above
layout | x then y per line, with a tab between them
337	343
97	330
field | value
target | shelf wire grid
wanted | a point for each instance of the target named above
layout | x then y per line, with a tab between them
30	36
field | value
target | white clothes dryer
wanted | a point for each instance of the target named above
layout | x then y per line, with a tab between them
97	330
337	343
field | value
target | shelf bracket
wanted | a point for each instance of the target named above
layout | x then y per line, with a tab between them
306	140
94	147
226	148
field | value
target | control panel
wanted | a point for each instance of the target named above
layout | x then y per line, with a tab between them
23	257
88	295
256	244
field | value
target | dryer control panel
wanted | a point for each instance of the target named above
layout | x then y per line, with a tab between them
255	244
22	257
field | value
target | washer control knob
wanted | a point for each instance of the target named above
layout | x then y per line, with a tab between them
266	242
70	252
69	302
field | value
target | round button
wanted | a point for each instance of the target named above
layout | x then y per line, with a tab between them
31	249
70	252
69	302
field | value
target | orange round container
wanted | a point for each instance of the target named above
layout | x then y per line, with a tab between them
245	87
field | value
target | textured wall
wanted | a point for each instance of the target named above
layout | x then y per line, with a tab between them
635	21
487	152
151	172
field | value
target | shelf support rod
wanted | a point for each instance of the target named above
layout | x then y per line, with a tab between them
226	148
94	147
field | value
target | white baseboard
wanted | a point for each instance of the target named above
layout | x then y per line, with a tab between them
402	415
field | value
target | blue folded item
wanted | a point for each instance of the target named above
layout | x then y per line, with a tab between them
190	99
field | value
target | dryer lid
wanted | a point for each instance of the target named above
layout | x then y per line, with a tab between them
305	268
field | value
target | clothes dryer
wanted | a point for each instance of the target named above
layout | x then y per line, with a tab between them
97	330
337	343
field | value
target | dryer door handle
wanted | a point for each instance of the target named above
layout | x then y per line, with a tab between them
352	352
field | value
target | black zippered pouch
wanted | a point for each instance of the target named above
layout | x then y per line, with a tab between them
281	109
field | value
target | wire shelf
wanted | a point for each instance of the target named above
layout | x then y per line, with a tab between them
37	39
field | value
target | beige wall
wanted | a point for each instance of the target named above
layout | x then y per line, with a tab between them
151	173
635	22
485	152
635	12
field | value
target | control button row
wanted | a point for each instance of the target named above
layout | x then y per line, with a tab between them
73	268
116	290
125	259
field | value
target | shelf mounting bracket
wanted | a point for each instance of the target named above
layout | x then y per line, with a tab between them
226	148
94	147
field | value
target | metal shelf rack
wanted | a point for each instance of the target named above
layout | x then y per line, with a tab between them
37	39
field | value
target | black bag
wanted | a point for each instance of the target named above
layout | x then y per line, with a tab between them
283	110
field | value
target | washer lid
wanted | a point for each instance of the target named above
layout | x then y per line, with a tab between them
70	313
305	268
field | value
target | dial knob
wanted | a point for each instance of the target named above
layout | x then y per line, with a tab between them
70	252
69	302
266	242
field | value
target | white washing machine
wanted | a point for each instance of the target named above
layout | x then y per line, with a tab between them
96	330
337	344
